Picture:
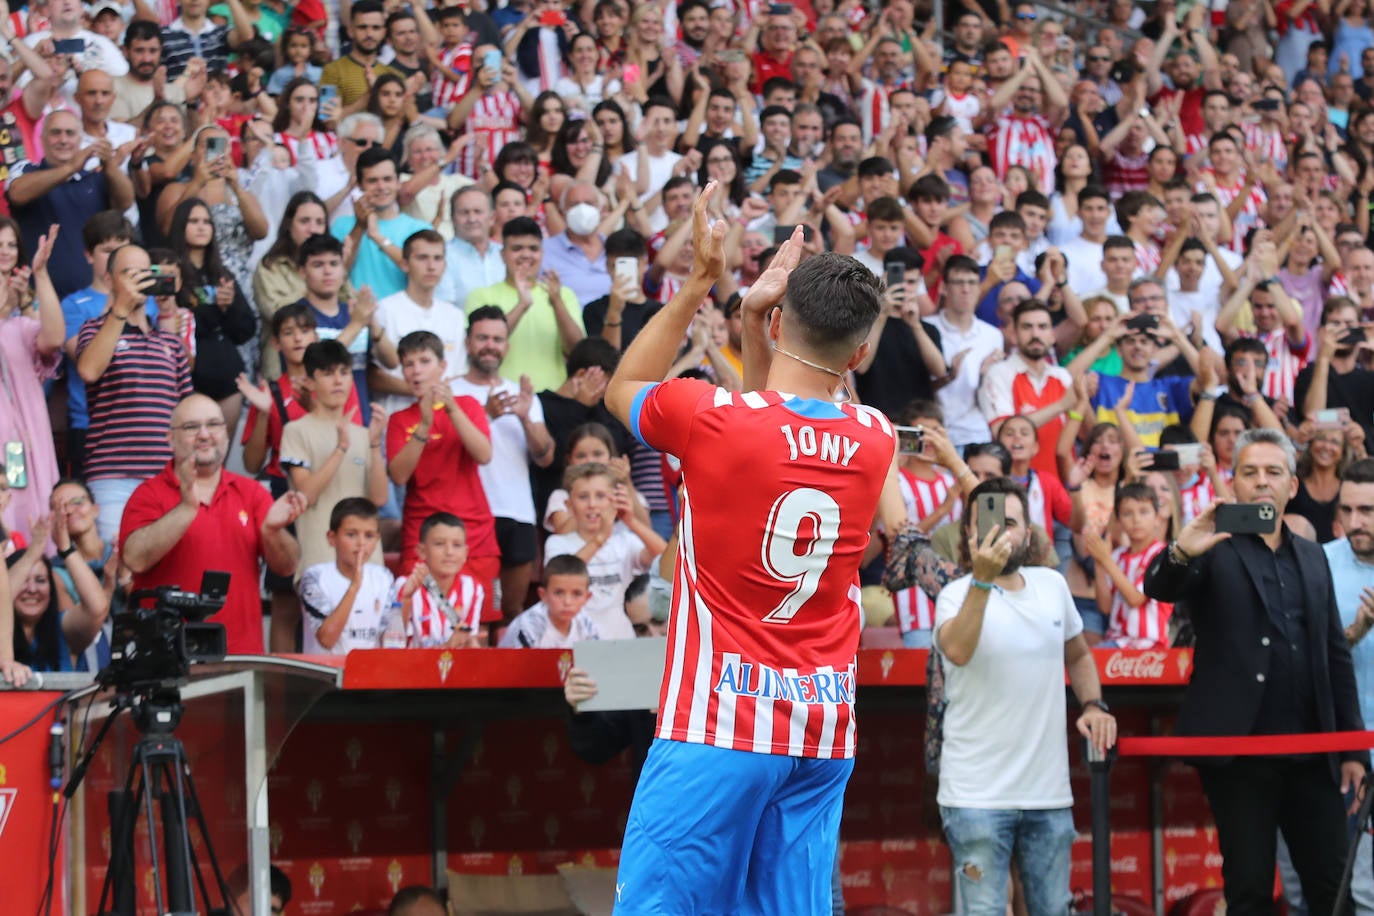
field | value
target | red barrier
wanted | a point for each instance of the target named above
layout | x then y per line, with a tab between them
1245	745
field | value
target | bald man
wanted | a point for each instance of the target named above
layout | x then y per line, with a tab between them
195	516
72	183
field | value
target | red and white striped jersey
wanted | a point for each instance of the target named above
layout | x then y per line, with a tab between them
1196	497
1267	144
1047	502
324	144
1249	216
1197	144
1285	363
1147	257
765	620
444	91
1024	141
873	111
916	609
1339	286
494	121
430	626
1144	627
1127	173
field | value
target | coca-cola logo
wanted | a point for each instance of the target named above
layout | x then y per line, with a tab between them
1141	666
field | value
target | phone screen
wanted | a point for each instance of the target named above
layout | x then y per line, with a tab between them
896	275
215	147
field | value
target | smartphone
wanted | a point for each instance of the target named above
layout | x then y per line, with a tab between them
328	93
69	46
1189	454
911	440
164	284
16	465
1331	418
627	270
780	9
1143	322
1003	253
493	60
992	513
552	19
214	585
896	274
216	146
1247	518
630	73
783	233
1165	460
1353	337
731	57
1266	105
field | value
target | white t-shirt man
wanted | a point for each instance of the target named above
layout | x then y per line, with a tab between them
1005	740
964	422
660	170
1085	264
322	587
506	477
610	572
100	54
399	314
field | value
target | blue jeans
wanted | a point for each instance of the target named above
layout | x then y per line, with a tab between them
982	843
1094	621
918	639
111	494
661	520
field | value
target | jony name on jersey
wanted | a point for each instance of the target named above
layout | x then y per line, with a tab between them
804	442
747	679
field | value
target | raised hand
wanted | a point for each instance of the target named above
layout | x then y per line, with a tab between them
39	262
344	430
771	286
376	428
285	511
708	239
990	557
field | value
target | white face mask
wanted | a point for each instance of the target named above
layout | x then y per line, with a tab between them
583	219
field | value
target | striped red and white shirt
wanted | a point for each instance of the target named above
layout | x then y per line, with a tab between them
764	627
430	626
1147	257
1249	216
1144	627
494	121
1025	141
1281	374
324	144
1267	144
1196	497
1047	502
1127	173
923	498
444	91
873	111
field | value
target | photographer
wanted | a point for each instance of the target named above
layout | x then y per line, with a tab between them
195	516
1270	659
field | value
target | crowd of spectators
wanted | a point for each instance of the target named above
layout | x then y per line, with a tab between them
384	259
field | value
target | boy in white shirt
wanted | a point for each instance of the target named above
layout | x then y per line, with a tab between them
346	599
557	621
613	557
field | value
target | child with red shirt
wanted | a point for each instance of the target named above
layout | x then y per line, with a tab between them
433	448
1134	620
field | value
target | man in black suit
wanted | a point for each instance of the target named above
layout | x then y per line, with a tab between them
1270	659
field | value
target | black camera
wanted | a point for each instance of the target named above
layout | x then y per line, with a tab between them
161	632
164	284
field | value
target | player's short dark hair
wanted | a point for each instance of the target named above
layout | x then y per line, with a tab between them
422	235
350	507
416	341
323	355
436	519
317	245
565	564
106	226
299	312
834	301
1138	491
592	353
625	243
486	313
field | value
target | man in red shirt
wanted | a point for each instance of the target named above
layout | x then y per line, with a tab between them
778	41
433	448
196	516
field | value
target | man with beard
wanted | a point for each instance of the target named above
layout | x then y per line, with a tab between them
355	72
137	90
1352	573
1009	633
846	149
195	516
518	437
1022	135
1270	659
1029	384
695	18
1335	378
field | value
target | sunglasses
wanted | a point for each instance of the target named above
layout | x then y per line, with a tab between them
363	143
1026	17
1099	58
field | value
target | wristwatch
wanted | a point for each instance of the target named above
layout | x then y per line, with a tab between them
1098	703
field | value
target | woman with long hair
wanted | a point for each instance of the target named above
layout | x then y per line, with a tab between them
277	280
543	123
165	162
389	101
659	73
723	165
1320	468
50	623
616	134
578	156
1072	175
298	122
224	320
585	85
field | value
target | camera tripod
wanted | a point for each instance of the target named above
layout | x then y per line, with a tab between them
158	775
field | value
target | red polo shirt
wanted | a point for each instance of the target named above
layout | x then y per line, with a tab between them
766	66
226	536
